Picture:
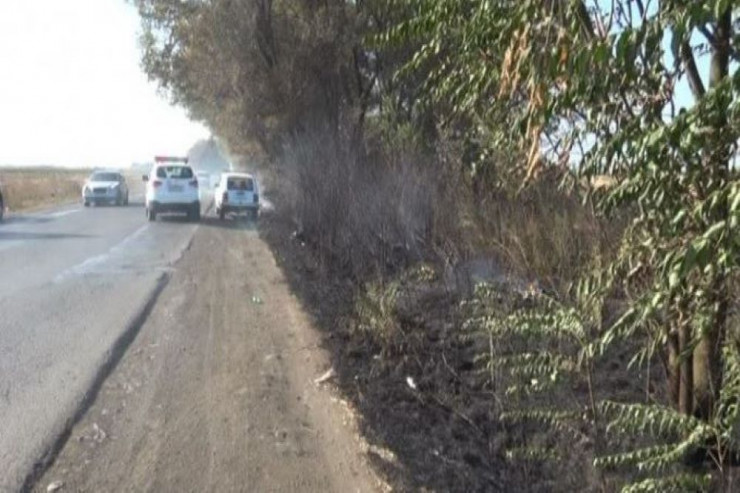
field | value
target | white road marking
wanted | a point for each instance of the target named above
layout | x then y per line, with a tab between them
91	263
62	213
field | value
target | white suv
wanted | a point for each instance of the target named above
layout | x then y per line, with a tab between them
172	187
237	192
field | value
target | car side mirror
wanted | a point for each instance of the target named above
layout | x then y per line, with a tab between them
145	178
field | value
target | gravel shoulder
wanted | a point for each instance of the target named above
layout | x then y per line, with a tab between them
218	392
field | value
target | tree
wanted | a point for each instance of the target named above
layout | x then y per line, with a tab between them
594	88
256	71
589	88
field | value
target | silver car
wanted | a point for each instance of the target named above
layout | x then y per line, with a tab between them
105	187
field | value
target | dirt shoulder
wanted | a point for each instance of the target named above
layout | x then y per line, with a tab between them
217	392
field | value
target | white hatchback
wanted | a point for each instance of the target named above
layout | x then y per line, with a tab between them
237	192
172	188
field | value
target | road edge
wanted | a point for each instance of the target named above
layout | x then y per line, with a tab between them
111	359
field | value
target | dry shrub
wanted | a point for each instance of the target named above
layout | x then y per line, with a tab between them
372	211
543	233
364	218
366	221
29	188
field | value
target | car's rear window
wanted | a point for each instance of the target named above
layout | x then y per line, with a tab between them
245	184
174	172
104	177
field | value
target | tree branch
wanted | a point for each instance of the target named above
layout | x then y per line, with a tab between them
719	66
707	34
692	73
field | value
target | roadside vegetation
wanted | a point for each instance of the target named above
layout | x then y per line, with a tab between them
35	187
516	220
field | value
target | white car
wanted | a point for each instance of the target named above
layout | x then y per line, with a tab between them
237	192
105	187
172	187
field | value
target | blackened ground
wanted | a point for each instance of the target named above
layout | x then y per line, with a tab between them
431	437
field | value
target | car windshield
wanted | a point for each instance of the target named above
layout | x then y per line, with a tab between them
104	177
245	184
174	172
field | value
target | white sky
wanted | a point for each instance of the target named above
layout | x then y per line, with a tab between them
72	92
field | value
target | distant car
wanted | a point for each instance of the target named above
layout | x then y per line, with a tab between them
237	193
105	187
172	187
2	205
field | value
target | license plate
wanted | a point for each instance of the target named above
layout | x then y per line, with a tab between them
175	188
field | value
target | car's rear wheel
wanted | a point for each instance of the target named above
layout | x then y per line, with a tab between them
221	214
86	203
151	214
125	201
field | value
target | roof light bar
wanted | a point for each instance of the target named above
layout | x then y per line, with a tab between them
170	159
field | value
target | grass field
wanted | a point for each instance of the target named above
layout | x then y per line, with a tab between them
32	188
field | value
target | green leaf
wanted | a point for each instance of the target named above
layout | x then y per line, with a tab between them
720	7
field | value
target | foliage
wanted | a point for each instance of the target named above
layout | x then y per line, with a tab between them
377	305
255	71
522	90
596	89
544	356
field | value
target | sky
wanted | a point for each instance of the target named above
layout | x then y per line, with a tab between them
72	92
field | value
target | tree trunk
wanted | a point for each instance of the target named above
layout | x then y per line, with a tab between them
673	369
707	366
686	368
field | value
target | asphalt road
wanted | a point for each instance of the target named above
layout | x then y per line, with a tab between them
72	282
217	392
166	356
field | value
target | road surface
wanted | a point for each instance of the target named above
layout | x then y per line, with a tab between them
72	281
215	394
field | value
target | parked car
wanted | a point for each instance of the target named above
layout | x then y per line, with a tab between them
105	187
172	187
237	193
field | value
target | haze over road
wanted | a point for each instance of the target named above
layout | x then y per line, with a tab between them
72	280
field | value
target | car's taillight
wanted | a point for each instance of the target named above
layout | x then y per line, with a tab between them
256	197
156	183
225	196
194	183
